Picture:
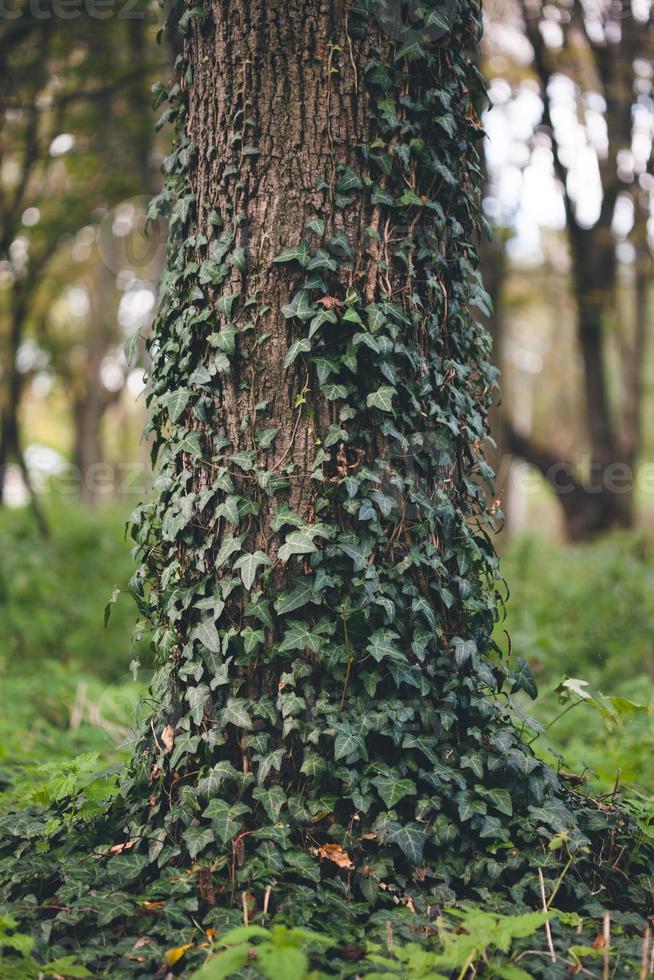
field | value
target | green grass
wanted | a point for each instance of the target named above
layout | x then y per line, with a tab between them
587	611
584	611
66	682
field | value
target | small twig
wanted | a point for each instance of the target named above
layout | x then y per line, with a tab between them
616	785
77	710
644	960
266	900
548	931
607	945
154	735
246	914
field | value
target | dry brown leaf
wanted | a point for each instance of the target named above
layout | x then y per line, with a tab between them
335	853
329	302
168	737
119	848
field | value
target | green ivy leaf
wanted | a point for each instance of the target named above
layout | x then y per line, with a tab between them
235	713
272	800
248	564
198	697
393	790
197	838
297	253
381	399
191	444
300	307
210	784
225	303
463	650
294	351
297	543
349	743
290	601
225	819
207	634
411	840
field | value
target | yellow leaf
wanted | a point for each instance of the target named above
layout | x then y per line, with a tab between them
174	955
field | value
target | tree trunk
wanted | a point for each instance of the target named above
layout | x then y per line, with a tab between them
316	567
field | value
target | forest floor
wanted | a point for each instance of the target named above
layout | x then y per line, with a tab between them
582	616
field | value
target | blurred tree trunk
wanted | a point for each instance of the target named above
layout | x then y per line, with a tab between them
603	497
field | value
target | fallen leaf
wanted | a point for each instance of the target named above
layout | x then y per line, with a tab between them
599	942
174	955
119	848
153	906
168	737
329	302
335	853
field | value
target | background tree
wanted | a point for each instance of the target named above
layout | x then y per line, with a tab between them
74	112
601	52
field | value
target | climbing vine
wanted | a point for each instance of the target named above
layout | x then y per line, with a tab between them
332	734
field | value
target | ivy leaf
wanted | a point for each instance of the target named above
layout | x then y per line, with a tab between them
316	225
463	650
207	634
411	840
381	646
381	399
131	349
272	800
294	351
235	713
197	838
297	543
245	460
349	181
252	639
248	564
469	807
229	509
313	764
271	761
348	743
299	636
225	819
523	680
412	51
500	799
225	339
225	303
437	18
190	444
334	391
393	790
300	307
228	547
197	698
290	601
210	784
297	253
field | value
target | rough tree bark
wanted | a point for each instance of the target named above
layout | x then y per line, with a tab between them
316	566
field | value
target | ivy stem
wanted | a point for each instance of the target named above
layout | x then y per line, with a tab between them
559	881
554	720
348	651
